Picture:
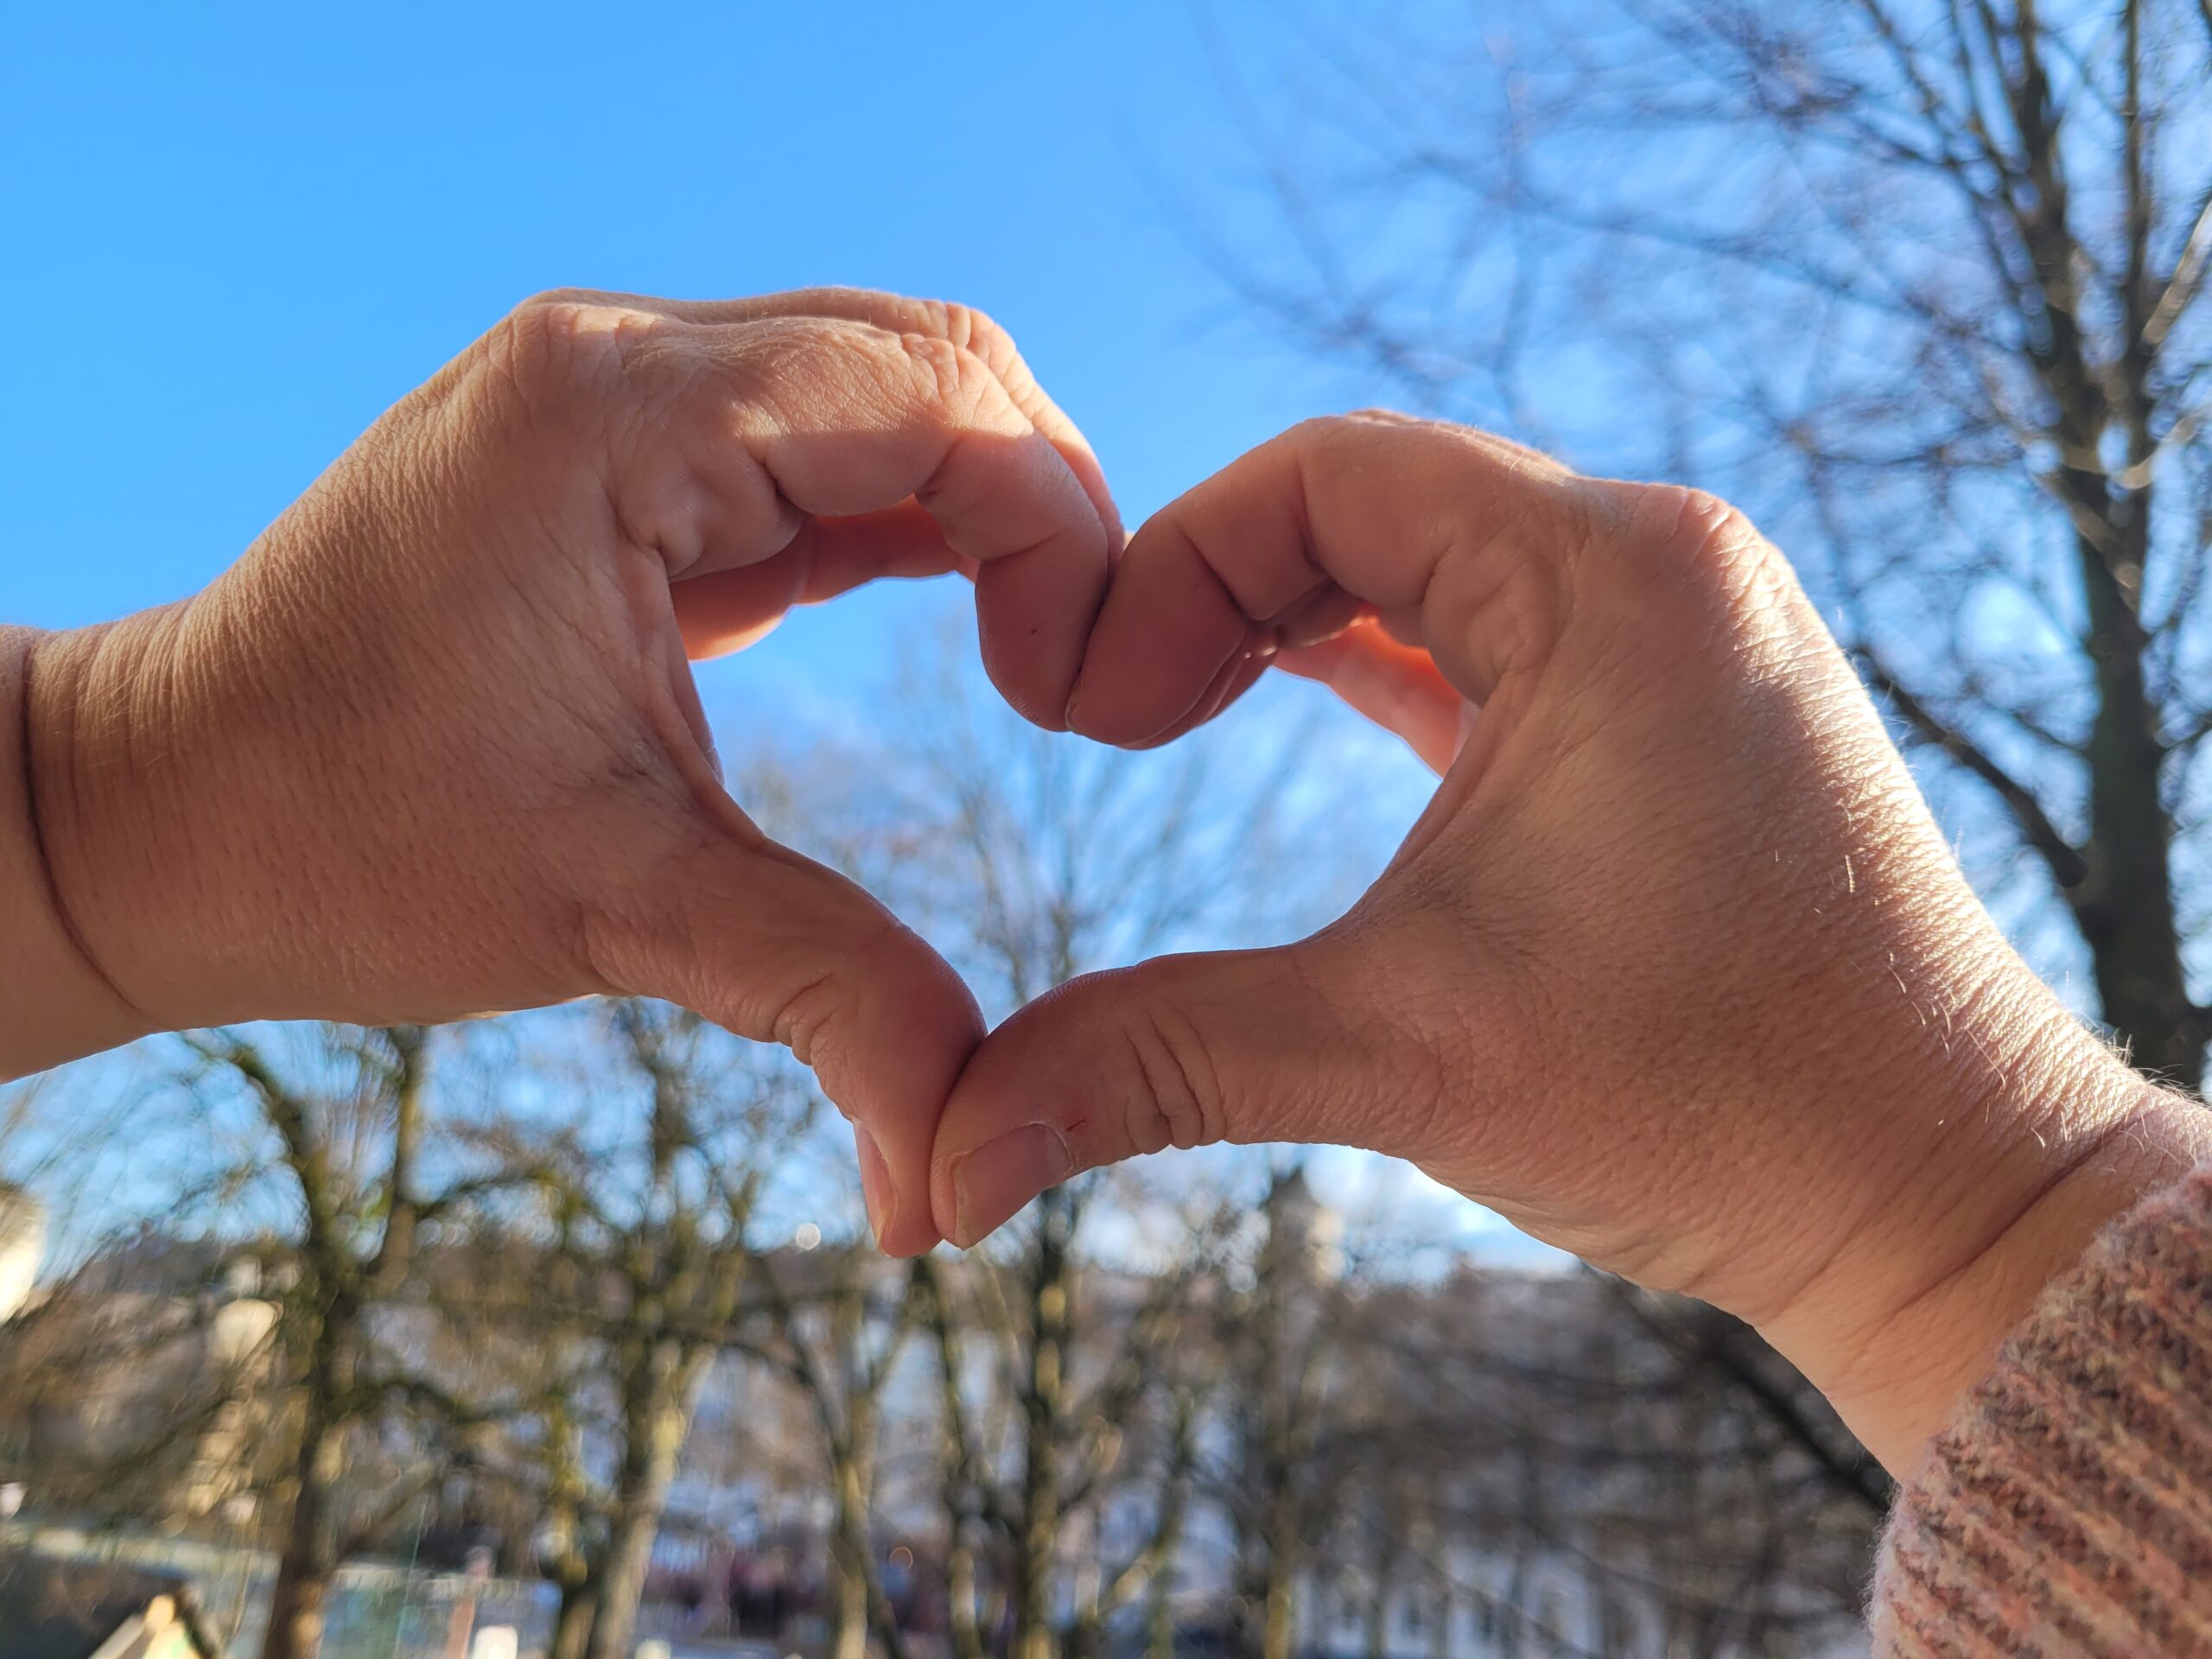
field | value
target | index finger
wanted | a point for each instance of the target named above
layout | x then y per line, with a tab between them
783	432
961	326
851	419
1459	535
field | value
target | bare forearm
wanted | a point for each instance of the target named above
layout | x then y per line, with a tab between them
56	1004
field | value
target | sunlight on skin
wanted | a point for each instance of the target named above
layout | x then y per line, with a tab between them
518	560
1675	971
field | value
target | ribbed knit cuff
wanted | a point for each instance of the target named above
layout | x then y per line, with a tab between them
2066	1511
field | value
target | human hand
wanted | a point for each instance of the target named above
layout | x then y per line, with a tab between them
432	746
1675	971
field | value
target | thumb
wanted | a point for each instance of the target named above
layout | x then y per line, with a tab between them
774	946
1241	1045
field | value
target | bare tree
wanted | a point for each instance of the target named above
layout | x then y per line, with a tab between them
344	1116
838	1319
1558	1458
1279	1477
1921	282
129	1371
627	1191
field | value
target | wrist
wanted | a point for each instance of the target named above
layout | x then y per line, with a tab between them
57	1002
2018	1177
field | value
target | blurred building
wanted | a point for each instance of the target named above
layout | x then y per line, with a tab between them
22	1243
136	1385
1493	1462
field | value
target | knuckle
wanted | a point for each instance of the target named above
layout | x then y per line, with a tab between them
1688	522
1319	431
1691	544
1178	1101
977	332
952	375
804	1015
1325	433
557	298
553	343
823	1014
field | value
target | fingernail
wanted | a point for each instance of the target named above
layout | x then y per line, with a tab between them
875	1182
992	1182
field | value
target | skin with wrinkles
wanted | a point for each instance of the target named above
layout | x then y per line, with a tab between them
432	746
1677	971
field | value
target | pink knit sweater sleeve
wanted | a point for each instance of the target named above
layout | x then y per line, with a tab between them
2066	1511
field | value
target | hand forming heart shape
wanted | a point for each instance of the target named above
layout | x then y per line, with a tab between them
1675	969
432	747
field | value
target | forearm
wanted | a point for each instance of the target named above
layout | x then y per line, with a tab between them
55	1002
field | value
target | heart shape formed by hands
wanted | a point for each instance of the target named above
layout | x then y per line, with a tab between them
1675	969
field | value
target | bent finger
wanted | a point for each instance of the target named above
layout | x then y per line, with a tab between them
1398	687
814	419
1470	535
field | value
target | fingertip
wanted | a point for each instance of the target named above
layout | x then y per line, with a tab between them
893	1073
997	1180
876	1182
1168	636
1002	1090
1035	611
913	1236
1049	1093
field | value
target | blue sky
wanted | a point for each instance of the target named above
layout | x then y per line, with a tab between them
233	243
237	242
235	238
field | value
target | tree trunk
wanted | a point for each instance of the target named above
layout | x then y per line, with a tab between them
962	1611
573	1620
298	1607
1514	1623
848	1557
1167	1543
960	1592
298	1602
848	1639
1278	1627
635	1523
1159	1619
657	1418
1051	1289
2127	912
1283	1266
1381	1571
